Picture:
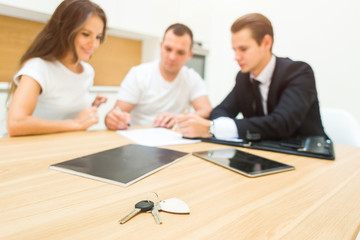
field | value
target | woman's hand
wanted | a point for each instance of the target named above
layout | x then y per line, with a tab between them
99	100
86	118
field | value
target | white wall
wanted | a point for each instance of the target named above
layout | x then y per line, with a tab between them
323	33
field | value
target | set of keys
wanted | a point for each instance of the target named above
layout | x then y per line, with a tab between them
172	205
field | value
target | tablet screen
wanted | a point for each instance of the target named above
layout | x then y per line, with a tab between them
242	162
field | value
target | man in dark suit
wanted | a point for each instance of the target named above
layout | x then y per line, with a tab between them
276	96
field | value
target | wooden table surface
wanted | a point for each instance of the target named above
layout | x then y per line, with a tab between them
319	200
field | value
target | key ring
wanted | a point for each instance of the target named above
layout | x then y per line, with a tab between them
148	196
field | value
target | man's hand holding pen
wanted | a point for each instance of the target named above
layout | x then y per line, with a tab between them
117	119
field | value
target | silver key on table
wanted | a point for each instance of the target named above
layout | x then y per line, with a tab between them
142	206
155	212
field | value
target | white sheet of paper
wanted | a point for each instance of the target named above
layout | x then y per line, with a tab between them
155	137
232	139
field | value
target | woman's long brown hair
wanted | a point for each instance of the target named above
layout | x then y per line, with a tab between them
58	35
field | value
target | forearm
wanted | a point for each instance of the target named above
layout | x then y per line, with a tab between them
204	113
30	125
229	107
280	123
202	106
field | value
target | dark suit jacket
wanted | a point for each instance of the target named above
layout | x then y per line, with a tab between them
293	106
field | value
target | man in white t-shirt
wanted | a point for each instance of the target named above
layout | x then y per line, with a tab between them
156	92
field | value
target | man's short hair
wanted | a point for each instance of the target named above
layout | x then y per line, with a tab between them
180	29
258	24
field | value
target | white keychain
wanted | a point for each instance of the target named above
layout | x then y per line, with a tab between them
174	205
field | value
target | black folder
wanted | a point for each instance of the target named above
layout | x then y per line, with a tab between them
314	146
122	165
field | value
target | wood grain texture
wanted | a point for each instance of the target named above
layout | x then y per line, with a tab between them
319	200
16	36
114	58
111	61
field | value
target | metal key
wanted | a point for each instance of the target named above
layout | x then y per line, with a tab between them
155	212
141	206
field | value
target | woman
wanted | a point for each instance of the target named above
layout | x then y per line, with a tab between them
50	93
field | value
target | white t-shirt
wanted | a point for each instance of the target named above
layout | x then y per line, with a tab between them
145	87
64	93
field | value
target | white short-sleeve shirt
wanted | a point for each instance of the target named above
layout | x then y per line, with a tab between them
145	87
64	94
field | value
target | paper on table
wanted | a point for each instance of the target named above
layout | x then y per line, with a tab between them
232	139
155	137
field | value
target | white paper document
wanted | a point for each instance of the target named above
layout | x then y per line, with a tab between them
155	137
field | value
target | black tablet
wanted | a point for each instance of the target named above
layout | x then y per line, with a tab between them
242	162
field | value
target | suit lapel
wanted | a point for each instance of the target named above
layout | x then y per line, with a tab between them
273	95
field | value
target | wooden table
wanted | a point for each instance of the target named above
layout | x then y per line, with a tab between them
319	200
